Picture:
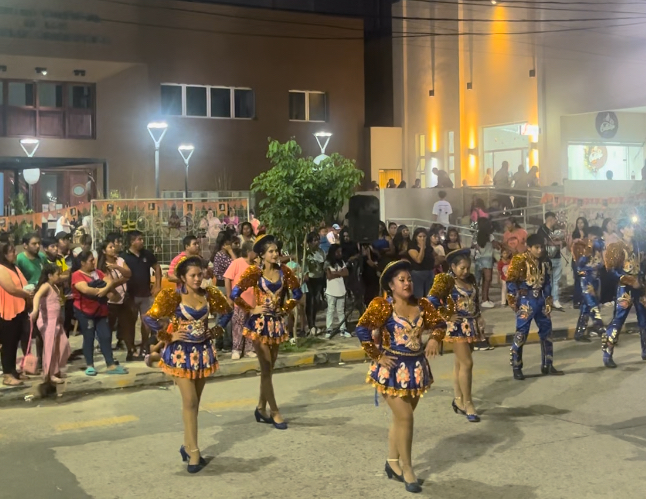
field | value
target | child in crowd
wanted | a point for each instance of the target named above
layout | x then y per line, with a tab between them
335	271
300	308
503	266
48	302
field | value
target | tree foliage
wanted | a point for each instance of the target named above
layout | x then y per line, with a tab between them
300	194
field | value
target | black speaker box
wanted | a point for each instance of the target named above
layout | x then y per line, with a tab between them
363	218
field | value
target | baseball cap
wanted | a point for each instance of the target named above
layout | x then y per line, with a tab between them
336	227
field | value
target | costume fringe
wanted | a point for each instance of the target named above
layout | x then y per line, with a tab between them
399	392
247	333
188	373
463	339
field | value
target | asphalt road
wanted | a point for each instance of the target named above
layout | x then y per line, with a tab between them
582	435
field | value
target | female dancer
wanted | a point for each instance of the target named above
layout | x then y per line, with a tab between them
400	370
580	232
265	325
47	315
189	355
458	290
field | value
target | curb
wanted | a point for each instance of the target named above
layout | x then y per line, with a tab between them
81	385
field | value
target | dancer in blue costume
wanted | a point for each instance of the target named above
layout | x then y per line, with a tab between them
265	326
626	259
390	332
458	290
588	257
180	319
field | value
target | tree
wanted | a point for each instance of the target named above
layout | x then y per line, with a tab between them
299	194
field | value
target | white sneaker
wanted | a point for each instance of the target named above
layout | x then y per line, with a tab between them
345	334
557	305
313	331
487	304
609	304
328	335
235	355
251	354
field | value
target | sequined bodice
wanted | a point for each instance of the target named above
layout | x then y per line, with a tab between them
535	272
631	263
402	335
465	301
269	293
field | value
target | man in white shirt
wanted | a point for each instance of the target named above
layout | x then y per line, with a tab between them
63	225
333	235
335	271
442	209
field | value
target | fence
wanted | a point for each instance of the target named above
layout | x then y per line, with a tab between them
165	222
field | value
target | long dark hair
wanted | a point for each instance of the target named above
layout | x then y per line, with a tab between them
102	261
223	237
399	238
4	249
454	231
331	254
48	269
417	232
184	265
484	232
576	234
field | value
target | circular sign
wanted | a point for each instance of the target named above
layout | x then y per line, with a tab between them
78	190
595	158
607	124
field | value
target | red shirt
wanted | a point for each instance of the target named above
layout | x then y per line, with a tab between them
89	305
502	269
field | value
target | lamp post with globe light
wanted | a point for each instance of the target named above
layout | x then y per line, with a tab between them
323	139
31	175
157	130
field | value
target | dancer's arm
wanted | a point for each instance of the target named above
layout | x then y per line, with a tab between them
248	279
162	310
292	283
373	318
515	274
218	305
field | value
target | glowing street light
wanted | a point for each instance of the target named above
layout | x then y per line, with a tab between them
157	130
30	146
323	139
186	151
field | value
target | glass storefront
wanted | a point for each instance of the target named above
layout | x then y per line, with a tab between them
505	143
594	161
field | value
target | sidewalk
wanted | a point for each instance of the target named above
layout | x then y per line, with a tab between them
500	327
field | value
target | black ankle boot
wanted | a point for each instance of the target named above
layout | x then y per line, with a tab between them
551	370
518	374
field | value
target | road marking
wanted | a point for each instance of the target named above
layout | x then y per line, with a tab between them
224	404
97	423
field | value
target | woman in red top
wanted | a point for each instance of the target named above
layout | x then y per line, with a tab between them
91	288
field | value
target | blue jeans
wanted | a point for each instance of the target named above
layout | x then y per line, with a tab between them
91	327
557	270
422	282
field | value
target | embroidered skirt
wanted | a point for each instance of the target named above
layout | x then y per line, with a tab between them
189	360
266	328
411	377
464	330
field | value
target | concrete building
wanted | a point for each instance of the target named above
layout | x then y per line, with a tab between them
85	77
531	83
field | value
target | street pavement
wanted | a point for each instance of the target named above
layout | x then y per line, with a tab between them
582	435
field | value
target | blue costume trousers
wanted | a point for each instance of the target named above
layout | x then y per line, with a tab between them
625	299
589	306
532	309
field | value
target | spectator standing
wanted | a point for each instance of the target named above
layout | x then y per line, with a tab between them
191	248
255	223
553	252
578	235
31	260
47	314
391	184
142	264
392	231
521	178
314	277
488	178
333	235
242	346
223	255
514	237
503	267
478	210
452	241
374	186
438	250
120	316
324	244
63	224
420	255
402	185
532	178
246	233
443	179
13	314
86	245
335	272
483	247
501	178
442	209
401	242
298	313
91	288
65	263
417	184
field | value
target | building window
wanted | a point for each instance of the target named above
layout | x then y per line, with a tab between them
47	109
196	101
305	105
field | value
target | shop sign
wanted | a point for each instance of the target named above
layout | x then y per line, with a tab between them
607	124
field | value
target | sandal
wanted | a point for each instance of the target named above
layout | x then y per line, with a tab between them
56	380
116	370
90	371
11	381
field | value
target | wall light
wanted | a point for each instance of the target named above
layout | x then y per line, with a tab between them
79	72
41	71
29	146
473	151
431	93
469	86
533	145
3	69
532	73
493	2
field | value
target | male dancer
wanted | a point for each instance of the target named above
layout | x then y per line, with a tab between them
624	258
530	293
588	256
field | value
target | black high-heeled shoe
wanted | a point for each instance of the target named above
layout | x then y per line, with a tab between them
456	409
278	426
194	468
186	457
414	487
391	474
262	419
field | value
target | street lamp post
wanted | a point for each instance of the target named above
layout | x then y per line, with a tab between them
186	151
323	139
32	175
157	130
